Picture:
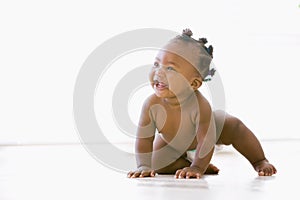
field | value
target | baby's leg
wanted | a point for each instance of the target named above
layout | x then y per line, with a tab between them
165	159
243	140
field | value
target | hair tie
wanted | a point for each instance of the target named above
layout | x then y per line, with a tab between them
202	40
187	32
211	72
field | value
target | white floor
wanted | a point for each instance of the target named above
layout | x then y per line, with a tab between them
68	172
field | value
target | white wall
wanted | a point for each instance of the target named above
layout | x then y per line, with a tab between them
43	45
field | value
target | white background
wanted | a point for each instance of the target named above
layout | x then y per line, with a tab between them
44	43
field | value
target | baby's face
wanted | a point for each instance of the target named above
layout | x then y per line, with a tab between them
172	75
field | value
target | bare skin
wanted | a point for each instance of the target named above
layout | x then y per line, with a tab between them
177	98
233	133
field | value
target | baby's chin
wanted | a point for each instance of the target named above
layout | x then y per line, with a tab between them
161	95
158	93
164	94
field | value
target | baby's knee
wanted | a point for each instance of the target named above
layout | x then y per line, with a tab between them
234	127
238	127
238	124
231	131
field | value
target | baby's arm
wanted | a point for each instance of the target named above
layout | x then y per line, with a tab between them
144	144
206	137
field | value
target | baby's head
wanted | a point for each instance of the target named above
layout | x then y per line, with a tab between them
181	66
194	51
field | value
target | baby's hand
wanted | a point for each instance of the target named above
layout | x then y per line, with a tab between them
188	172
141	172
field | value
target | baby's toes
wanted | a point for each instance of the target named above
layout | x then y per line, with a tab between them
274	170
267	171
211	169
261	173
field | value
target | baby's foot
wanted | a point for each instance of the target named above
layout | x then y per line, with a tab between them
264	168
211	169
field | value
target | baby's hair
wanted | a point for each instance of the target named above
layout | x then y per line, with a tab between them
205	57
187	32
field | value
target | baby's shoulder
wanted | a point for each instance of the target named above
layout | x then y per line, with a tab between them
151	100
200	97
203	103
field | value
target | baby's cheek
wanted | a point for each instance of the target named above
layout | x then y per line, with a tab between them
178	84
177	79
151	75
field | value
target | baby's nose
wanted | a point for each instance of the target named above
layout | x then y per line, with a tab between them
159	71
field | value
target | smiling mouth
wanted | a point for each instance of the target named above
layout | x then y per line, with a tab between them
160	85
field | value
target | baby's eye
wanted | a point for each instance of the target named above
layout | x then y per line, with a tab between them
155	64
169	68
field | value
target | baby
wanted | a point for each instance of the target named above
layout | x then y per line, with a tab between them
184	118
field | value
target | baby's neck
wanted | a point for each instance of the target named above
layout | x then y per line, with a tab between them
172	102
176	102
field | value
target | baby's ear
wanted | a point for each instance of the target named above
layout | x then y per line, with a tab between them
196	83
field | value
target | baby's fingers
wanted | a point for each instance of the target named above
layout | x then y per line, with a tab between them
189	175
135	175
141	173
193	175
180	174
147	173
177	173
129	174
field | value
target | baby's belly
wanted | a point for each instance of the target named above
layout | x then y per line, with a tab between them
177	129
182	140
